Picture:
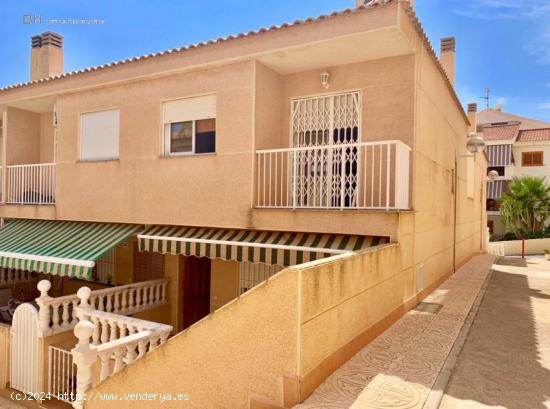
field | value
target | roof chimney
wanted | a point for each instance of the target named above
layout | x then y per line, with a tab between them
447	57
472	117
46	55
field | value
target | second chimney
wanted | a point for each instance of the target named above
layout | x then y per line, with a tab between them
472	117
46	55
447	57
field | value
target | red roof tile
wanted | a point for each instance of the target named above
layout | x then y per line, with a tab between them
534	135
507	131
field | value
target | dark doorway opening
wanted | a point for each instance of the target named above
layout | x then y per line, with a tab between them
196	289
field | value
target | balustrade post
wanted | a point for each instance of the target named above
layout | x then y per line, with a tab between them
83	357
83	294
44	307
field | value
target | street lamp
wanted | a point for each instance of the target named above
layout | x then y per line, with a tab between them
475	144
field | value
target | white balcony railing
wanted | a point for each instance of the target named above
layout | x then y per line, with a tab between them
367	175
59	314
111	340
31	184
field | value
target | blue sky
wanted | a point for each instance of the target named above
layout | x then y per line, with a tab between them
503	44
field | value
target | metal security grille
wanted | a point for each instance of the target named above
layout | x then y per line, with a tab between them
326	177
326	120
250	274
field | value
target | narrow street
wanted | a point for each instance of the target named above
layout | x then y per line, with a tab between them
505	362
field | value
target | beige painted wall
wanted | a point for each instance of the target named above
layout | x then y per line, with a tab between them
347	294
258	333
428	235
275	334
4	355
135	187
23	137
224	283
46	138
253	106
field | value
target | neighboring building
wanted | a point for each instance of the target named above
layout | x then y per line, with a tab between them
497	115
333	149
515	147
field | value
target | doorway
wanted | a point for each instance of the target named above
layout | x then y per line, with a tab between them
196	289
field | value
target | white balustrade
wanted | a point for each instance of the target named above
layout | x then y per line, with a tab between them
31	184
10	276
59	314
367	175
115	340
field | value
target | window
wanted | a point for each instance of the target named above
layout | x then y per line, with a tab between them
532	158
99	133
190	126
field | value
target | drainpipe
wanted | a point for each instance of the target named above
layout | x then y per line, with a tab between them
455	187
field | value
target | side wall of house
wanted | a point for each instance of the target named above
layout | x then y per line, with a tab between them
436	238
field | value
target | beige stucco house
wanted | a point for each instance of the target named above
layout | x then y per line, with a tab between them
516	146
247	212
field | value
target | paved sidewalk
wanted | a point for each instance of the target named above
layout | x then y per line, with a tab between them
9	404
505	362
398	369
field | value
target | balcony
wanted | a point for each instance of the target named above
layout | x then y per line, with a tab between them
30	184
367	175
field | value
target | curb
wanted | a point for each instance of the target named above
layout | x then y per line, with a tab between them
437	391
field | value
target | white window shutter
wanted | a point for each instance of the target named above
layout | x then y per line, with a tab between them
99	138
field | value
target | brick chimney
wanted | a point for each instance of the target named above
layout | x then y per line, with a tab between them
472	117
46	55
447	57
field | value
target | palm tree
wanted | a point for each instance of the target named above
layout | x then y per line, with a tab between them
525	207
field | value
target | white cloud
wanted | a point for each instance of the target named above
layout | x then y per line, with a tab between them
544	105
539	47
503	9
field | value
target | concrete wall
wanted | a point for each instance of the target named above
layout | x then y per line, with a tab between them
243	348
513	247
272	344
349	295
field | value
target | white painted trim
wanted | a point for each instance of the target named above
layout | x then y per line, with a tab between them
245	244
47	259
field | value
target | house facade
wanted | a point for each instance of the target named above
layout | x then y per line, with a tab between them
227	202
516	146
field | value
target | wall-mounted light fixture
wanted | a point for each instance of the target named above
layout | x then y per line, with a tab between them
325	77
475	144
492	175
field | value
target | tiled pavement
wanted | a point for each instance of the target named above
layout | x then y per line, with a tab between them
398	369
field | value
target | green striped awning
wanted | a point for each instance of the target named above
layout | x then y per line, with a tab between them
282	248
59	247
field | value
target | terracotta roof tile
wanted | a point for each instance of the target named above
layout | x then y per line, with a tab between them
534	135
508	131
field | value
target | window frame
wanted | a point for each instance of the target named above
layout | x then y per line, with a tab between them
532	154
166	138
81	129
